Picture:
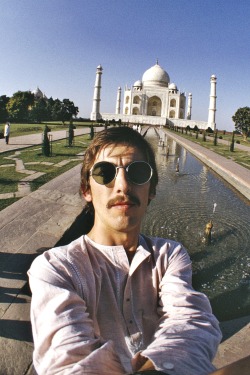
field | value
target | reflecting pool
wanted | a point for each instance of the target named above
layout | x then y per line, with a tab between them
185	202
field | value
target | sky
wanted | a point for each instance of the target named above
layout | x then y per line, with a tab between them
56	45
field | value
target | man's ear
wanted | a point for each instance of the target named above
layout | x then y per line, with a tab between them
87	195
150	197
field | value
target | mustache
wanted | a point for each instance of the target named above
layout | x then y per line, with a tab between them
123	198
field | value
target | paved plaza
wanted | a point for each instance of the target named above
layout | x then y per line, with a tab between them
39	219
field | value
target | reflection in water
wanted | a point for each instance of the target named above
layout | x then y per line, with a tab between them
184	204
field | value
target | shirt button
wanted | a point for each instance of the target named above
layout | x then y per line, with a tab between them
131	321
168	365
128	299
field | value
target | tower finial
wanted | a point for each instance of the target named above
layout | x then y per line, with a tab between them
157	62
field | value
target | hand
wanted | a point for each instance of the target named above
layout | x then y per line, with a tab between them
140	363
148	365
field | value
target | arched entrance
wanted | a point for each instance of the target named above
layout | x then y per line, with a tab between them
154	106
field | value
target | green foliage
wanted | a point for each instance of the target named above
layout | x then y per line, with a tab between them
232	143
68	110
3	108
62	111
215	138
23	106
39	111
209	130
19	105
241	120
46	142
71	133
92	132
204	135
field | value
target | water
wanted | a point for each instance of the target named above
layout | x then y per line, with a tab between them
184	204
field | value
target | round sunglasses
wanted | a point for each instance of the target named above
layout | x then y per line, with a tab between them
137	172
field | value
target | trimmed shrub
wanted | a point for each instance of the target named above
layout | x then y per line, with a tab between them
46	143
204	135
232	143
215	138
209	130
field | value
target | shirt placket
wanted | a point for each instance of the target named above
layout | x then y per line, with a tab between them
128	308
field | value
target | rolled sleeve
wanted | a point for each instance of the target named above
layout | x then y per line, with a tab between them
188	334
64	336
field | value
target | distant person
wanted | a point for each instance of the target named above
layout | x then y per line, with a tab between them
7	132
114	302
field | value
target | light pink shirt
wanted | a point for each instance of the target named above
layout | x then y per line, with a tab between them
91	311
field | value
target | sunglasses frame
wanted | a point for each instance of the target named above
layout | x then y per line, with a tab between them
126	168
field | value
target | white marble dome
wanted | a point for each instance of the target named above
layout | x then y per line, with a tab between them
155	76
172	86
37	93
138	83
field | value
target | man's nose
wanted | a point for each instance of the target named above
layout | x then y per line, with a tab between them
122	182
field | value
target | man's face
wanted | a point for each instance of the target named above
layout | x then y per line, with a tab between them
120	205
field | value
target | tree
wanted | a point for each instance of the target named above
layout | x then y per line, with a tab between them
19	106
241	120
24	106
68	110
39	111
50	104
56	110
63	111
3	108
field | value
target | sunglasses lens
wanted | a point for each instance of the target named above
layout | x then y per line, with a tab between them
103	173
139	172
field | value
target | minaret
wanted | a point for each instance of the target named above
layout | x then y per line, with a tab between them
95	114
189	110
212	104
118	101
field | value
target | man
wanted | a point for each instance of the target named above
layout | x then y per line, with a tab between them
7	132
113	301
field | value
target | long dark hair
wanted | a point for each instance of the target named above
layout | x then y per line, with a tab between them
112	137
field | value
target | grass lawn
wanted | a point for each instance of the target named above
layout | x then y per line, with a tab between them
63	158
239	156
23	129
9	179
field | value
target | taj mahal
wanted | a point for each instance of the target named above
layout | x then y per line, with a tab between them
153	100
